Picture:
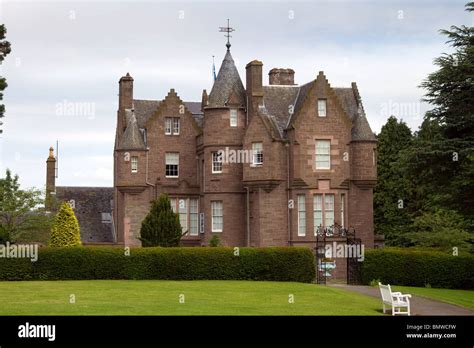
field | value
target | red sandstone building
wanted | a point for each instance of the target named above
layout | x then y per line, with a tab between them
312	163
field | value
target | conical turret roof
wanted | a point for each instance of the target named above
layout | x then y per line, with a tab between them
228	88
132	138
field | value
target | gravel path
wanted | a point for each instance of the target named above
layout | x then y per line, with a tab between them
419	305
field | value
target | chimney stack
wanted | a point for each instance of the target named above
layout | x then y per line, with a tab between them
50	179
254	86
125	92
204	99
284	77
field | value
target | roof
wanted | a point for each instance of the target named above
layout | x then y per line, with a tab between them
228	88
145	108
132	138
93	207
280	100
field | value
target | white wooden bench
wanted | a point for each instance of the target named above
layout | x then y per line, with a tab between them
396	300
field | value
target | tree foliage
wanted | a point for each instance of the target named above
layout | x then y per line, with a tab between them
5	49
65	231
19	209
161	227
435	169
393	191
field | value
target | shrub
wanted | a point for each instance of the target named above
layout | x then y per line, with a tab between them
418	268
161	227
272	264
65	231
215	241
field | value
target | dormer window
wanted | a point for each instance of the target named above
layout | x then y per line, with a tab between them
233	117
322	107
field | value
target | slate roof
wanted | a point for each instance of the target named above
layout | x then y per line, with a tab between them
132	138
228	87
278	101
92	205
145	108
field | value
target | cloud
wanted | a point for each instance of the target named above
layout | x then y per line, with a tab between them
71	53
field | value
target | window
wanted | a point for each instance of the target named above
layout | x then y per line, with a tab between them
322	107
172	164
343	205
134	163
183	213
257	152
172	125
323	154
301	215
188	211
193	217
106	218
173	204
216	162
233	117
168	121
217	216
317	211
176	126
328	210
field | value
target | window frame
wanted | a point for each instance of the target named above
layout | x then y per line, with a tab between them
170	125
192	213
176	121
319	211
319	155
215	162
167	164
301	214
213	203
134	164
256	153
342	207
329	210
322	112
233	116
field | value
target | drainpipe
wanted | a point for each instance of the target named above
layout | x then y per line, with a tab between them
248	216
287	145
146	175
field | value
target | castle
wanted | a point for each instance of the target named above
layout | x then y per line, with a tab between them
257	165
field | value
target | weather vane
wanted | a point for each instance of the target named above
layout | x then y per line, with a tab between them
227	30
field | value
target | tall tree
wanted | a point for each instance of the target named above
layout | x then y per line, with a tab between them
5	49
18	208
447	161
394	189
161	227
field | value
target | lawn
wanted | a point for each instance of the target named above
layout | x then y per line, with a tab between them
463	298
156	297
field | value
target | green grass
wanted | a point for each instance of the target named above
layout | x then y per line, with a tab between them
463	298
155	297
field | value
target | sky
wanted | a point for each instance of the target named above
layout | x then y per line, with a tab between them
67	58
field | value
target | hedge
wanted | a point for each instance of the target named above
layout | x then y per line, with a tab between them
81	263
418	268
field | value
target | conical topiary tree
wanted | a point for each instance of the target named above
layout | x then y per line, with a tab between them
65	231
161	227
